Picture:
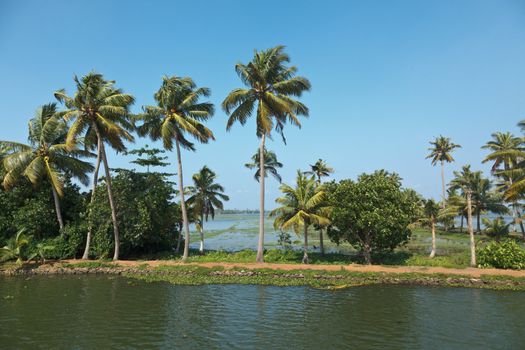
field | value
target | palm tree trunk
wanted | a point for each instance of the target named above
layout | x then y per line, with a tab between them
85	256
183	207
321	242
57	209
179	239
443	184
471	230
201	248
520	222
116	232
260	245
462	219
478	221
433	226
305	254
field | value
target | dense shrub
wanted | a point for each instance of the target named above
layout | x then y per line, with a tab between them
32	208
506	254
147	215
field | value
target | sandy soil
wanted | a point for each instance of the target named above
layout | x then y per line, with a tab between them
473	272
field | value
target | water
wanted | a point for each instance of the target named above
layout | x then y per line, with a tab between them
89	312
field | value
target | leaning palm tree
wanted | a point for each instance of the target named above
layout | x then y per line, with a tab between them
100	114
301	207
177	115
271	88
45	157
465	181
320	169
206	196
271	164
440	151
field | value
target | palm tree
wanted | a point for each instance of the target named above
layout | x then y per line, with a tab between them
272	86
465	181
485	200
45	157
301	206
440	151
271	164
206	196
496	228
100	114
178	114
431	213
506	152
320	169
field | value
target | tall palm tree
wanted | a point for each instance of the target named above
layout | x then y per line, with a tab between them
465	181
206	196
320	169
177	115
99	114
440	152
506	151
271	86
301	207
45	157
271	164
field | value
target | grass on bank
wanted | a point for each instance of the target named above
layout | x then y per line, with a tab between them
330	280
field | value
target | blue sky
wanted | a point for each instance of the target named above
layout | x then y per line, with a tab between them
387	76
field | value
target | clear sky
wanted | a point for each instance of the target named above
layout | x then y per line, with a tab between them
387	76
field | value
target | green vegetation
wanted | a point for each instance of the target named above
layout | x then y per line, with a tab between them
373	214
131	214
194	275
502	255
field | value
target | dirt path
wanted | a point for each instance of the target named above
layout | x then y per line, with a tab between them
473	272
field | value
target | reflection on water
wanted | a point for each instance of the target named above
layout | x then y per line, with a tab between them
89	312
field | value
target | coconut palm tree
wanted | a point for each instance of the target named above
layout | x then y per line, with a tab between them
506	152
431	213
320	169
301	207
100	114
271	164
271	90
206	196
485	200
440	152
465	182
177	115
45	157
496	228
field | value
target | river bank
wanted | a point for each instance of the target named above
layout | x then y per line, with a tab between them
318	276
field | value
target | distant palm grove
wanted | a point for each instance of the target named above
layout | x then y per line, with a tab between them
137	214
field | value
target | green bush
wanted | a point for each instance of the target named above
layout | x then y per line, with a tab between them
146	213
502	255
